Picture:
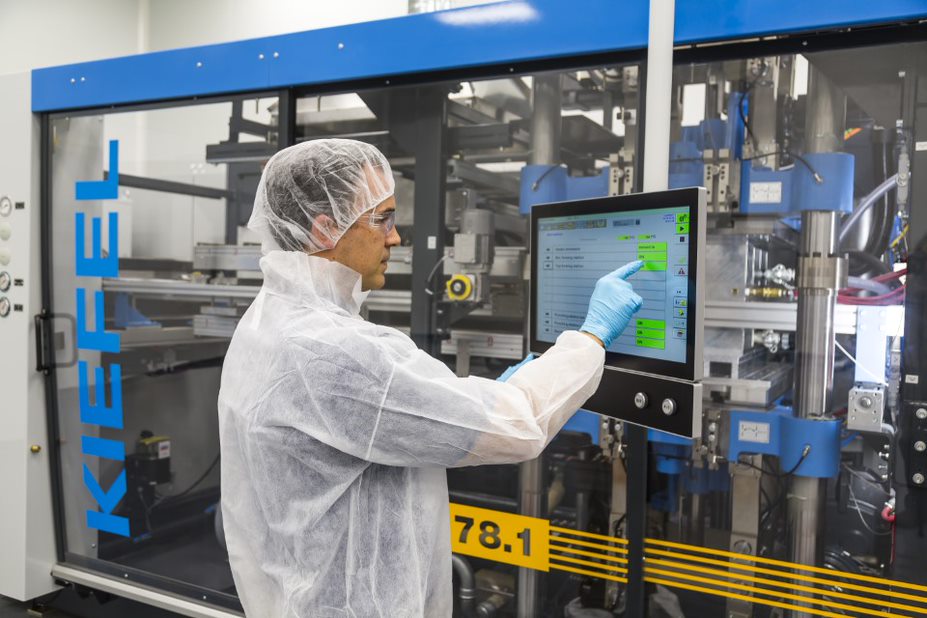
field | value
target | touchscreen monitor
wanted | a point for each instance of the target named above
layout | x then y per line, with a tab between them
575	243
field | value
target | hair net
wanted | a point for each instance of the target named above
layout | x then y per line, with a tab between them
338	178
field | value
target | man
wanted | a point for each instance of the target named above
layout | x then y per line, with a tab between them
336	432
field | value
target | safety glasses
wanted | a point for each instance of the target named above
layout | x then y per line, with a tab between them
383	221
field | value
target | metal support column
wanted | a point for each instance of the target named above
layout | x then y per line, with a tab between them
821	272
658	103
545	150
417	120
428	236
636	597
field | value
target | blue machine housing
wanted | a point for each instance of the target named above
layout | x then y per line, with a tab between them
687	167
673	458
543	184
484	35
767	191
779	433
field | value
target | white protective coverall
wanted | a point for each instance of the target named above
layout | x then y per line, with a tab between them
335	436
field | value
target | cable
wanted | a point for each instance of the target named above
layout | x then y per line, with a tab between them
740	110
818	179
887	185
858	364
866	285
870	263
195	484
904	232
537	183
431	275
859	511
804	455
895	297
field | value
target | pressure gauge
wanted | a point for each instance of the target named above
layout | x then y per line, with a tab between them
5	281
4	306
6	206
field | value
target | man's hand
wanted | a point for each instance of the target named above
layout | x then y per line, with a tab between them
612	305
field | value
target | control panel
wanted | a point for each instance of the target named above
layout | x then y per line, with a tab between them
574	244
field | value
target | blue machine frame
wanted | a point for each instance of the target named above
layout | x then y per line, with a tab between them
501	33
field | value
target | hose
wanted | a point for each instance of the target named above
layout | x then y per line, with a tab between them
871	262
467	591
876	287
886	186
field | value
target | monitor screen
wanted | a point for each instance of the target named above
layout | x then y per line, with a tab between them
575	251
576	243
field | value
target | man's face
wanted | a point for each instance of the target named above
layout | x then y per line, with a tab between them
365	247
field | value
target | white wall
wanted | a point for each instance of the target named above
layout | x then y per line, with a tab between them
182	23
39	33
169	144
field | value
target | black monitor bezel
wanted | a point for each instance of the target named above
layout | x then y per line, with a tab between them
690	370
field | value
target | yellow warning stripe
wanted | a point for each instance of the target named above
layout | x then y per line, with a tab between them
773	593
785	574
742	597
788	565
559	540
598	565
591	554
611	550
613	578
591	535
789	585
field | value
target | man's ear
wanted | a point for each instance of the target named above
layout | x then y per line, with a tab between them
324	230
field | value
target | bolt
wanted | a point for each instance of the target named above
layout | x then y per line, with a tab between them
918	478
865	402
73	81
199	65
712	427
920	446
276	54
921	413
340	45
35	448
260	56
901	74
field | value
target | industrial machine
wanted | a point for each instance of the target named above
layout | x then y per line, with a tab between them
797	485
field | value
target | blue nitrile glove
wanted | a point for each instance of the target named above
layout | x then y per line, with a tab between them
508	373
613	304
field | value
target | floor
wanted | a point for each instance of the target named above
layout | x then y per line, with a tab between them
67	604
